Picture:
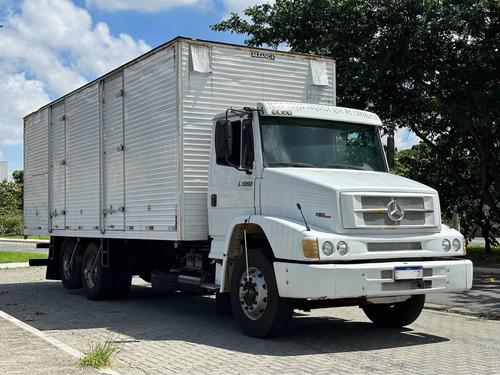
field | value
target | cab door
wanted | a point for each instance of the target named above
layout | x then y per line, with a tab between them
232	175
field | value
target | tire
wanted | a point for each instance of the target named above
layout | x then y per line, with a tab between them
223	304
70	264
97	280
164	283
396	314
257	306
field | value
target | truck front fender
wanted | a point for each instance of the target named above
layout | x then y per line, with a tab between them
283	236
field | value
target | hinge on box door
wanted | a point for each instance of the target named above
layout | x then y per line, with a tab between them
63	162
120	93
121	209
120	148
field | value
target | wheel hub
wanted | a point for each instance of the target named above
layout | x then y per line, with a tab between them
253	293
90	273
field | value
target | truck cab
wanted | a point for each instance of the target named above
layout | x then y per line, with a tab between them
303	213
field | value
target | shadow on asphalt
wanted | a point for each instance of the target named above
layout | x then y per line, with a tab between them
484	295
144	316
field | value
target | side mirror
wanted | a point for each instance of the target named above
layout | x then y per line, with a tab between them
223	139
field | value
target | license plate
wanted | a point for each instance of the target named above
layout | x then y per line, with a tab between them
408	273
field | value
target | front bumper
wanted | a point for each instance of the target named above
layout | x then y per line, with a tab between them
333	281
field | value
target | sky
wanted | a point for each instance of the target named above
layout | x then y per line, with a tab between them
50	47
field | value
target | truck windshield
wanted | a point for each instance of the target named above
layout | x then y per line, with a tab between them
310	143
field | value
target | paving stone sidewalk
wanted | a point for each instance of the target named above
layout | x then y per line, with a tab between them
182	335
22	352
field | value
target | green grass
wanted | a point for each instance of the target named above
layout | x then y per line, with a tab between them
99	355
477	255
19	257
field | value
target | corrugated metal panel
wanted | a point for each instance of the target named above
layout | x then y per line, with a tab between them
113	168
82	160
157	168
57	149
36	188
237	80
151	136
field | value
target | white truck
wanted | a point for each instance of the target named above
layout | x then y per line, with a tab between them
207	167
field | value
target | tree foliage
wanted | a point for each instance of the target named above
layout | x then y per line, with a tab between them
18	176
421	164
429	65
11	205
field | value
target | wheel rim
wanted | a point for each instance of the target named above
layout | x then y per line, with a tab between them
90	274
253	294
67	266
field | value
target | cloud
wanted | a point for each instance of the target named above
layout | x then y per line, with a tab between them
147	6
405	138
47	49
19	96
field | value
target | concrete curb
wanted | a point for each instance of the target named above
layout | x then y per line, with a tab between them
14	265
21	240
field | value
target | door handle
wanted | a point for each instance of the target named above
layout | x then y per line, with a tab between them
213	200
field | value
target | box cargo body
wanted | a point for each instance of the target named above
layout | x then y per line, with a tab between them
127	155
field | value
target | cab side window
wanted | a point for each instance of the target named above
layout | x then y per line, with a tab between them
238	144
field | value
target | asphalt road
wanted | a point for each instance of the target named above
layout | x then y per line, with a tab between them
6	245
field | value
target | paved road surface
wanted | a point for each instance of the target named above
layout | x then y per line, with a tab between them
6	245
183	335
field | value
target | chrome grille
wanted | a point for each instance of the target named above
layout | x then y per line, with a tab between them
374	211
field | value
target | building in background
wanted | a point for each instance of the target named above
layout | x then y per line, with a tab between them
3	170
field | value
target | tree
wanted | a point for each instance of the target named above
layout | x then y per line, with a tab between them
421	164
18	176
11	203
430	65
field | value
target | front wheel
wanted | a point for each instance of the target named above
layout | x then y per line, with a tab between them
396	314
257	306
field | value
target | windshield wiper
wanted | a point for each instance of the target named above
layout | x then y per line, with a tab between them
343	166
292	164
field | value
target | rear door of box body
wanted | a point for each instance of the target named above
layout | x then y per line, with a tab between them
113	153
36	189
57	140
83	160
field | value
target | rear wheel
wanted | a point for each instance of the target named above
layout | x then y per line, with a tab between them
396	314
97	280
257	306
71	264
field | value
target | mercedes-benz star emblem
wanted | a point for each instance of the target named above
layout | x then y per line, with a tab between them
395	211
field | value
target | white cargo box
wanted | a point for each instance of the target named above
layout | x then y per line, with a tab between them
127	155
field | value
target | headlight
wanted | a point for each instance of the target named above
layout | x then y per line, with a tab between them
342	248
456	244
327	248
446	245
